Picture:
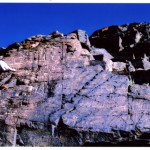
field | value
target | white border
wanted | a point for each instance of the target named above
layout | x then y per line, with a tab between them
74	1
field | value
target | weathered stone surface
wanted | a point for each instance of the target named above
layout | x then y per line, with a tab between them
126	39
83	38
119	66
128	44
64	94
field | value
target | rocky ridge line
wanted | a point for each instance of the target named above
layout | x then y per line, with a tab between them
76	91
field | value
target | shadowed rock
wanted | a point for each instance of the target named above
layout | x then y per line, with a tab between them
128	44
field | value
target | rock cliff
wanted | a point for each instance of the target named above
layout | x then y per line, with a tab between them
75	90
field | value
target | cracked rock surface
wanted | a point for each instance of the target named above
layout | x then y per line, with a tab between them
68	92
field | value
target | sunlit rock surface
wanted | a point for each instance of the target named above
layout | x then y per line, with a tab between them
67	91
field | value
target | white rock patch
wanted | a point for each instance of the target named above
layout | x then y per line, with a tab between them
138	37
5	67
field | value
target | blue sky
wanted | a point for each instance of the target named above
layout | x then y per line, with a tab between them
19	21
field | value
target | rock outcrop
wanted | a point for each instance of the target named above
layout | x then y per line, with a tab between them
68	92
129	44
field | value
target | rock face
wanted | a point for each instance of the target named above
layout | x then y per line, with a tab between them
129	44
66	92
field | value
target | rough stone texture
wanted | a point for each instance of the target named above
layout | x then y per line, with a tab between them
62	94
83	38
128	44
